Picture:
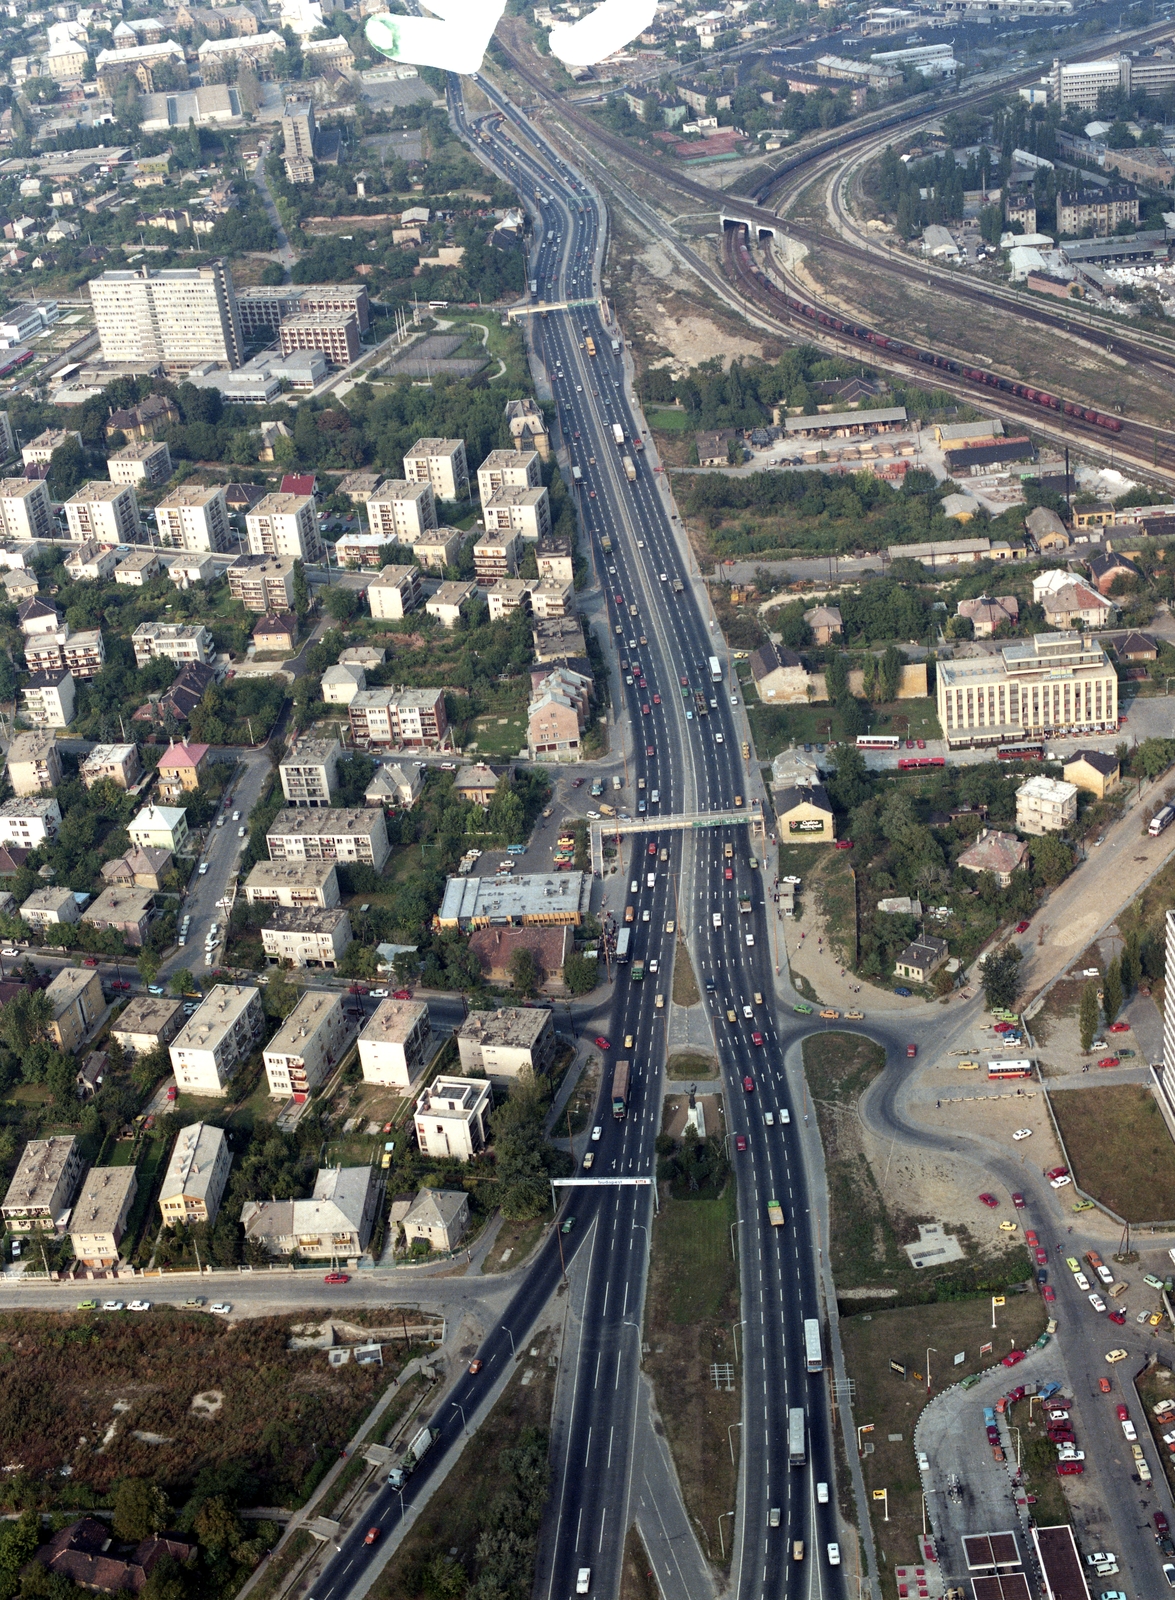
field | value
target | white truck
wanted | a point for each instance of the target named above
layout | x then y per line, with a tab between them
417	1450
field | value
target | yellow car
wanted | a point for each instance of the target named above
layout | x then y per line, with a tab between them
1083	1205
730	1016
1155	1318
830	1015
1007	1227
1115	1356
628	1041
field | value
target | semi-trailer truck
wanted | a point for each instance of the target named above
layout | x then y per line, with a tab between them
620	1091
629	469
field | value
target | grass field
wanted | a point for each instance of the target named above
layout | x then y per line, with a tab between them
500	731
685	985
687	1066
515	1240
451	1522
833	884
870	1342
777	727
1120	1149
692	1302
668	421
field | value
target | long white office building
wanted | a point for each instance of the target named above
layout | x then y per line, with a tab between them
179	317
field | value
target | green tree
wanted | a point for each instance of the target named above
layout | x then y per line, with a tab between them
525	973
1088	1018
67	469
1001	978
301	591
182	982
280	996
1112	990
836	677
25	1019
1052	859
341	603
1131	966
890	674
359	961
140	1508
579	974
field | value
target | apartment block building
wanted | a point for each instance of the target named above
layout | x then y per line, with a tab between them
1045	805
400	512
99	1218
1080	83
126	909
25	510
552	598
502	1045
149	1021
194	517
91	562
333	834
117	762
333	333
284	525
43	1185
224	1029
29	821
310	1043
181	317
395	592
403	717
1052	683
108	512
50	905
495	556
49	700
449	601
82	654
39	451
438	548
306	936
193	1185
442	463
526	512
145	461
263	309
34	763
139	568
309	773
264	584
293	883
78	1005
396	1043
554	559
1103	210
508	469
452	1116
176	641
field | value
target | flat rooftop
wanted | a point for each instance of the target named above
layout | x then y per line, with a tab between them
519	1026
101	1202
97	490
393	1021
38	1172
297	875
328	820
188	494
147	1014
312	753
304	919
214	1016
312	1011
541	894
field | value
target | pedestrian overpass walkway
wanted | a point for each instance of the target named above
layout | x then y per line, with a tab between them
686	821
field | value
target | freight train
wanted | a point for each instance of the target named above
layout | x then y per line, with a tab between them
855	330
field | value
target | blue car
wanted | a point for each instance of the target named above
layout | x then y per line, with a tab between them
906	992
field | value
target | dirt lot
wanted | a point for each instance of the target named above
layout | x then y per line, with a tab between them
685	985
870	1343
692	1302
1120	1149
636	1578
818	944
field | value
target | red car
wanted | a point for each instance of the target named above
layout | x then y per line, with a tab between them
1070	1469
645	712
1162	1526
843	844
1118	1316
757	1038
1050	1293
1018	1201
1003	1027
1057	1172
749	1085
120	983
90	961
401	994
740	1142
728	874
1123	1413
649	750
911	1050
1042	1256
922	744
652	847
1012	1357
172	1091
1030	1234
602	1043
475	1367
1119	1027
337	1277
357	988
990	1200
909	744
1021	927
656	699
684	683
371	1536
1016	1394
1110	1061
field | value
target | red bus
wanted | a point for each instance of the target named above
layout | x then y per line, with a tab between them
1021	752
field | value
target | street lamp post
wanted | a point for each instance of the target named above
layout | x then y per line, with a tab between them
721	1540
866	1427
930	1350
513	1352
464	1425
729	1439
734	1327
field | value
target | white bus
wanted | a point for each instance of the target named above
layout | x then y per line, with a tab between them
812	1351
878	741
797	1452
1009	1069
715	670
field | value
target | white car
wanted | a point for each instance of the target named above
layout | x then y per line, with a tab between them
1059	1183
834	1555
236	816
10	952
1081	1281
139	1305
1129	1429
203	868
747	1012
1071	1455
113	1305
791	879
718	739
664	576
769	1118
182	940
378	994
583	1580
220	821
1022	1133
596	1132
241	832
654	965
750	938
734	699
220	1309
822	1494
1096	1301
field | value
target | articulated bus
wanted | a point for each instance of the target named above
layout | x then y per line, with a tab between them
878	741
1009	1069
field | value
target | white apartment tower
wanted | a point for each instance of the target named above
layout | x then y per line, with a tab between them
284	525
104	511
194	517
25	510
442	463
400	511
180	317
